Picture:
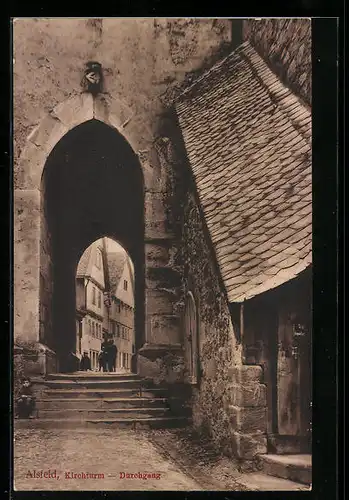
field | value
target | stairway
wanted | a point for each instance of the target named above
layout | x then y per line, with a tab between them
92	400
297	468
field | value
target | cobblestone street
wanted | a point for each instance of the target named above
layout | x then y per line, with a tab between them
103	452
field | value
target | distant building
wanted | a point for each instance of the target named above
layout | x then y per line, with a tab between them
105	303
121	313
90	286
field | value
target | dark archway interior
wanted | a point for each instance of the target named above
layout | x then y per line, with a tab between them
92	187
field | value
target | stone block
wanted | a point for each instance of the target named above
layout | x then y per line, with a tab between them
248	419
160	365
249	395
154	206
101	112
155	229
159	302
30	167
248	446
48	133
165	329
120	114
156	254
26	263
43	362
74	110
242	374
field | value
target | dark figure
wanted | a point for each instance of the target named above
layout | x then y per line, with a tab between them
85	363
134	363
25	403
112	352
101	361
105	355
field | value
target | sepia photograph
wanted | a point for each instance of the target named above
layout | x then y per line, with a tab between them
162	243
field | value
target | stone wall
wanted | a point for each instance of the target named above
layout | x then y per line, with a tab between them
144	60
218	350
146	63
229	401
285	44
193	258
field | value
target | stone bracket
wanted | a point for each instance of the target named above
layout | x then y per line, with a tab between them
154	351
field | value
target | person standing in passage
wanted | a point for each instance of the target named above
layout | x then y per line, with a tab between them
101	363
85	363
112	352
105	355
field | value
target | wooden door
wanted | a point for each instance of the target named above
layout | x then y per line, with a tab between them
190	341
293	374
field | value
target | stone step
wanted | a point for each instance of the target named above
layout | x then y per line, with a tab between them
97	413
135	423
92	376
288	445
296	468
263	482
128	383
101	394
105	403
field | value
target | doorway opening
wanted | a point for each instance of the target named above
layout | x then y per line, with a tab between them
105	307
92	187
191	339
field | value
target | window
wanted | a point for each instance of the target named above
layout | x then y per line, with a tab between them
98	259
94	295
99	300
93	329
89	327
125	284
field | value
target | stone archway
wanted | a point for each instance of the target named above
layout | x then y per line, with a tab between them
32	252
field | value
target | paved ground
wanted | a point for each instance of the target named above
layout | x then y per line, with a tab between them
107	453
176	459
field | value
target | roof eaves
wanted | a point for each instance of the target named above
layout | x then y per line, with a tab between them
282	277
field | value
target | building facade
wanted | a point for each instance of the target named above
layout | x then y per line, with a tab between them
90	287
105	303
201	129
121	311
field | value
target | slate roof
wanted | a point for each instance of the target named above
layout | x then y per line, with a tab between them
248	141
116	264
82	269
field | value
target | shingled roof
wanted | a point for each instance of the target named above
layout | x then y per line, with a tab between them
116	264
82	269
248	141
